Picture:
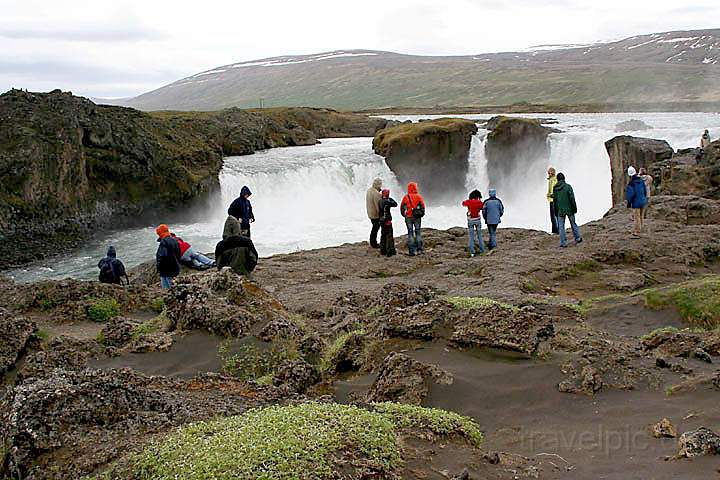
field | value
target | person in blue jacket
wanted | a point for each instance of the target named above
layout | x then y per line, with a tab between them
241	208
493	210
637	199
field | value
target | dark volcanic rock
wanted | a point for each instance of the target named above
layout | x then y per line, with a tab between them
405	380
433	153
632	126
515	146
297	376
15	332
626	151
702	441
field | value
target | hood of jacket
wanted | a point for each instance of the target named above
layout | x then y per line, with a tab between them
111	252
377	184
636	179
560	185
492	193
412	188
245	190
162	231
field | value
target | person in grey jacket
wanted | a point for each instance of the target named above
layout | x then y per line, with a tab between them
493	210
372	204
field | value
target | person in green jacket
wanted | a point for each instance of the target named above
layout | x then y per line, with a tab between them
552	181
564	199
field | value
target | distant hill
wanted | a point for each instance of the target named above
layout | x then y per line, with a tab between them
671	67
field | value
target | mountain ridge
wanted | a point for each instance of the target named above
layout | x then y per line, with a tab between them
678	66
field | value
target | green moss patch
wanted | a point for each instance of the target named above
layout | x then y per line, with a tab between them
103	310
328	360
477	303
698	301
306	441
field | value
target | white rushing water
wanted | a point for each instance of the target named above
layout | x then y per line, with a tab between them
310	197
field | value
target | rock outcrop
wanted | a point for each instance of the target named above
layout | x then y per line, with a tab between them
702	441
514	146
69	166
625	151
633	125
405	380
433	153
15	333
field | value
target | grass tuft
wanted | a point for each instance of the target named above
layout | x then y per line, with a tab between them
477	303
328	357
103	310
697	301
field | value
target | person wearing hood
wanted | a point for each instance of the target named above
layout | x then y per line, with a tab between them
167	257
387	239
705	140
637	199
474	204
112	270
191	258
412	208
564	198
493	210
237	252
552	181
241	208
373	200
231	227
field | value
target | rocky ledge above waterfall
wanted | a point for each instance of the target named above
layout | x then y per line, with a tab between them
69	167
433	153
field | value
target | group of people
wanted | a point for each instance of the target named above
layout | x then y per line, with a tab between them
236	250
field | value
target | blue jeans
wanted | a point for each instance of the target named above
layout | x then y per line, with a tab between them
415	241
573	225
492	230
475	230
166	282
197	260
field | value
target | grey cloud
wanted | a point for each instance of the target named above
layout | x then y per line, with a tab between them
83	33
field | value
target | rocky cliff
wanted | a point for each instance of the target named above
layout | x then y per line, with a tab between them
514	146
69	167
432	153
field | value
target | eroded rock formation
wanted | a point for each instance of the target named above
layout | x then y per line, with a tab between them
625	151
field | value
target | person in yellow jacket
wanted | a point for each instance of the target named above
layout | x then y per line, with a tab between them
552	181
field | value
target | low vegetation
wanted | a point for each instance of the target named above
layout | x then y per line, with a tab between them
250	363
698	302
307	441
477	303
103	309
327	362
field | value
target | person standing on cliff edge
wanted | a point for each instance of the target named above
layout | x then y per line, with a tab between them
637	199
564	197
552	181
373	199
167	258
241	208
412	208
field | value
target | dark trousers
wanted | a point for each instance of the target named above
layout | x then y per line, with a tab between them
553	218
374	232
387	240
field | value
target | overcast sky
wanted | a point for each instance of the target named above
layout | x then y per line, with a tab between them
117	48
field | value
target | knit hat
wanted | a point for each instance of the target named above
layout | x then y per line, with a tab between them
632	172
385	193
162	231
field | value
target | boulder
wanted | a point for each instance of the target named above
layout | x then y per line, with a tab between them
433	153
404	380
296	376
513	147
664	429
695	443
626	151
15	333
633	125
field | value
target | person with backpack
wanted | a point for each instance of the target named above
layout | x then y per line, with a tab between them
112	270
493	210
167	257
412	208
566	208
373	199
474	205
191	258
637	199
237	252
387	239
552	181
241	208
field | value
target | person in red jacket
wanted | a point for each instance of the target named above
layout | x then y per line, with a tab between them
474	205
190	257
412	208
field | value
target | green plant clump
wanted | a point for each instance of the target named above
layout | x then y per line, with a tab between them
103	310
659	331
477	303
326	362
295	442
698	302
251	363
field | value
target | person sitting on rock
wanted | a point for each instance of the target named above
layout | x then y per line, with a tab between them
493	210
705	140
241	208
373	200
237	252
552	181
167	257
387	239
474	205
112	270
412	208
567	208
190	257
637	200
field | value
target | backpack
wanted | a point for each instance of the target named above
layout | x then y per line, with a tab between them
107	273
418	211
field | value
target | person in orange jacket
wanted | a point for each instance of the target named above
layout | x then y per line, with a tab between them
412	208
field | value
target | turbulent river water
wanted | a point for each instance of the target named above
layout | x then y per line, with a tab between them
310	197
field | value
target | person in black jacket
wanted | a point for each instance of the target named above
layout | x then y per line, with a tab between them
238	253
387	239
167	258
112	270
241	208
